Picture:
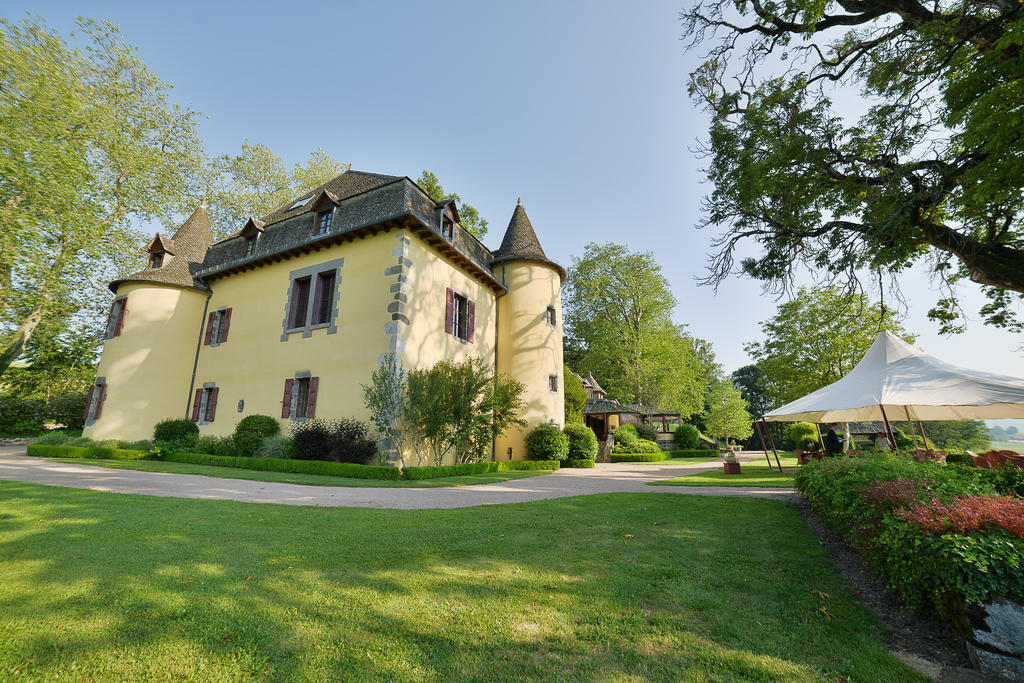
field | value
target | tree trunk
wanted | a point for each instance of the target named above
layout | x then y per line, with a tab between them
21	337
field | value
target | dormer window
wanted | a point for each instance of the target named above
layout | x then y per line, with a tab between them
324	221
156	260
250	245
447	228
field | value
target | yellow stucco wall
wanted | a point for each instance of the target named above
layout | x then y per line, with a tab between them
530	349
253	363
148	367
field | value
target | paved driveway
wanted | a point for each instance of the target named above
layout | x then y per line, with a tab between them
604	478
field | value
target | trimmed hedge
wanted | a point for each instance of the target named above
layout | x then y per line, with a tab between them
333	469
905	516
638	457
581	463
691	453
99	452
417	473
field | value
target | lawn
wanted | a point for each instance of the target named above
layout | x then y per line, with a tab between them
1008	446
619	586
688	460
754	473
291	478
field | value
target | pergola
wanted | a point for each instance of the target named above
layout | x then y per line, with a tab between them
896	380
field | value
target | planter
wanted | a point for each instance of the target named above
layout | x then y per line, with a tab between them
731	467
801	457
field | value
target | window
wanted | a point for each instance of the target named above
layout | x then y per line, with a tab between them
217	327
204	406
324	299
299	203
324	222
549	316
156	260
553	383
115	320
447	228
299	402
250	245
460	316
94	400
300	301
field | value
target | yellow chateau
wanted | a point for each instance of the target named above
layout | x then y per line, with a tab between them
289	316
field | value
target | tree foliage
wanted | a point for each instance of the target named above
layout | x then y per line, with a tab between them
816	338
750	381
575	396
458	409
255	182
618	322
471	219
926	166
970	435
88	142
385	397
726	416
59	361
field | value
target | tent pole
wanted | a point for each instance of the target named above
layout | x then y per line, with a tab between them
888	428
772	442
924	439
910	424
757	426
817	428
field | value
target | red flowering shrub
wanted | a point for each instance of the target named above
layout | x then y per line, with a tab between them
970	513
892	494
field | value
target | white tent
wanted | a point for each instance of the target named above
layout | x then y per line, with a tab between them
909	385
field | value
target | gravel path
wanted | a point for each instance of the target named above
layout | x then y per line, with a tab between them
604	478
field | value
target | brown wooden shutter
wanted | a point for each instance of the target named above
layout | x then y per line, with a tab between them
120	317
314	383
286	402
211	405
209	328
88	401
449	309
470	321
195	405
225	325
99	403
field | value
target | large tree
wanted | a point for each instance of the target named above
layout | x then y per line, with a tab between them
618	323
89	142
857	136
816	338
471	219
726	415
750	381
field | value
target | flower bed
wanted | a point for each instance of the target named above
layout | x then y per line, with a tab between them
944	536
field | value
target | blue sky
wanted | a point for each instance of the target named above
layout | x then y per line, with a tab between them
580	108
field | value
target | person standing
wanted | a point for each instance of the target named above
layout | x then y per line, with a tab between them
833	444
881	443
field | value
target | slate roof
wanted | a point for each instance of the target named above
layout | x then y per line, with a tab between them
365	202
520	242
185	250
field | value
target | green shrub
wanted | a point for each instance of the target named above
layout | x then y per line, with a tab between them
178	431
647	432
80	441
804	435
582	442
67	410
690	453
208	445
579	463
54	438
547	442
97	452
21	416
686	437
140	445
279	446
344	440
638	457
640	446
872	502
959	459
251	430
626	438
527	465
334	469
903	442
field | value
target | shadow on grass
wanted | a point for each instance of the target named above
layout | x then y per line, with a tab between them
654	586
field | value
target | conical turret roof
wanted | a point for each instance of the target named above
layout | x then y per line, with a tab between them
520	239
194	236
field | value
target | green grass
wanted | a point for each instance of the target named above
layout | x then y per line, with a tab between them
754	473
618	586
292	478
1008	446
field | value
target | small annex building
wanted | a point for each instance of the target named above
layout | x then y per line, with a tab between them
290	315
